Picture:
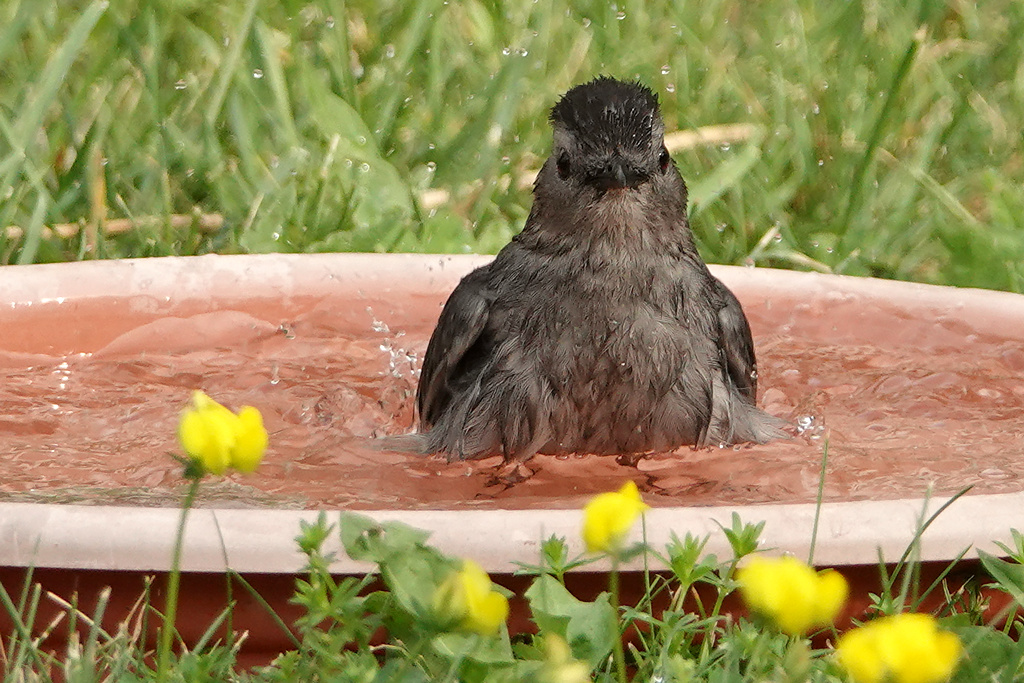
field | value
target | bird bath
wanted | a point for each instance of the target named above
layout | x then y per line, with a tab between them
914	388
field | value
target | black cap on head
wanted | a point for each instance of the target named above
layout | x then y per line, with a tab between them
607	111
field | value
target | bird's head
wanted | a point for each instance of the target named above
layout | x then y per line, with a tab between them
609	138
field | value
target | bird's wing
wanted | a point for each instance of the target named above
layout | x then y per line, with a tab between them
736	343
458	330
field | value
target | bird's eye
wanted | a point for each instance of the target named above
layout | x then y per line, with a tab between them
563	165
665	159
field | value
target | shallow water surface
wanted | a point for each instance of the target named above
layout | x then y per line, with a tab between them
905	402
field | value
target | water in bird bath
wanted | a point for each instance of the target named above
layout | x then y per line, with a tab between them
906	399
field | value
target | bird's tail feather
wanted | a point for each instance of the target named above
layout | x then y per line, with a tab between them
737	420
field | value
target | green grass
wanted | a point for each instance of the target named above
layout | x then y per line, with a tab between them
886	136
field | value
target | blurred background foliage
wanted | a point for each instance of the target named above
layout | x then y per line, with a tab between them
873	138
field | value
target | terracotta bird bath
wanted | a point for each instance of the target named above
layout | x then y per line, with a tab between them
915	389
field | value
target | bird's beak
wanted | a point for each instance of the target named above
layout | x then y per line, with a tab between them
617	174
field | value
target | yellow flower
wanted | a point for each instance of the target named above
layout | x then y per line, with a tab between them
791	594
250	440
559	666
217	439
905	648
467	598
608	517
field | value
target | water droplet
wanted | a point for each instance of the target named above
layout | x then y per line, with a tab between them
725	146
364	167
180	84
329	22
431	166
665	69
620	15
670	87
506	51
257	73
389	50
821	162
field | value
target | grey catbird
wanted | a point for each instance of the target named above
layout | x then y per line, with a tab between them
598	329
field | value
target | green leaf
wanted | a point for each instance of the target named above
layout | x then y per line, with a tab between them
1017	551
686	561
471	646
47	85
442	233
743	538
727	175
368	540
411	570
987	653
586	626
1008	575
396	671
313	534
413	577
380	195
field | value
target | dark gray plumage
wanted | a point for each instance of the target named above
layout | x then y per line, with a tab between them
598	329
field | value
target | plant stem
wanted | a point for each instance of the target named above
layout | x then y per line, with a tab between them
411	654
173	580
453	670
618	653
817	503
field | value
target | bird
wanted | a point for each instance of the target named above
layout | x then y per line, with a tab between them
598	328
